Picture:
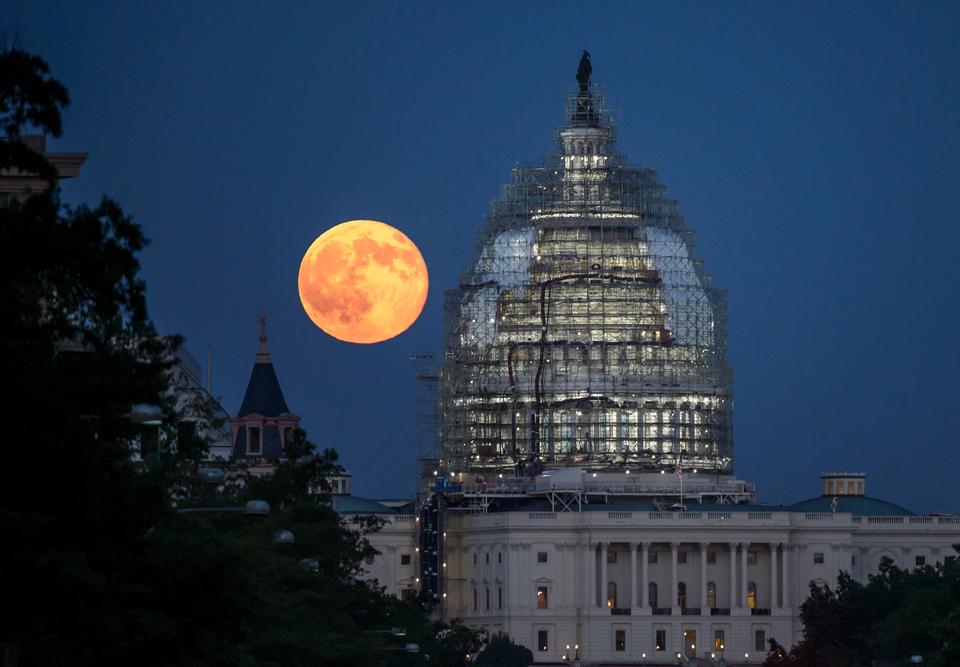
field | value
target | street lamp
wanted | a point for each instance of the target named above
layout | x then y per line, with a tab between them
284	537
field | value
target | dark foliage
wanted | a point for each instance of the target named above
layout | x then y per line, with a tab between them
501	651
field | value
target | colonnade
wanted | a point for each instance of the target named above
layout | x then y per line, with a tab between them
737	594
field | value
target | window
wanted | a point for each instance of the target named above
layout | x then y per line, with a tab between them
499	558
661	643
486	558
474	560
287	435
920	561
681	556
541	597
253	440
818	557
487	606
474	599
620	640
651	556
760	641
404	559
611	556
711	595
718	641
542	644
681	594
652	593
711	557
751	557
409	594
752	595
611	595
541	556
499	597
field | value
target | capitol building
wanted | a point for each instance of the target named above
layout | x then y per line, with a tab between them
582	494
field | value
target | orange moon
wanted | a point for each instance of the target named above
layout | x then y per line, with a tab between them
363	281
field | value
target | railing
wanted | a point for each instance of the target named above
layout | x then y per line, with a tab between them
660	515
759	612
920	519
541	515
662	611
719	515
818	516
884	519
720	611
691	515
690	611
948	519
759	516
619	515
620	611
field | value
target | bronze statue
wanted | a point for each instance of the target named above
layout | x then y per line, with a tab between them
584	70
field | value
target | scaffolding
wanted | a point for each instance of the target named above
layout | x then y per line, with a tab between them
585	332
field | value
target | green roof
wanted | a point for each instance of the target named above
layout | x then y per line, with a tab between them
856	505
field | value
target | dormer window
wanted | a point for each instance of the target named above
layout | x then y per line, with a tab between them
254	443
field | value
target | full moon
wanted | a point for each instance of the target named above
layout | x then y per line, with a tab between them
363	281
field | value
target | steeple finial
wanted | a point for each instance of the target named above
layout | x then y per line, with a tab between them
584	70
263	354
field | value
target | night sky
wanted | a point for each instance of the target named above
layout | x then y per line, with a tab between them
813	149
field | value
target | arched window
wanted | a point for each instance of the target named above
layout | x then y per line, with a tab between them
752	595
681	594
711	595
611	595
652	593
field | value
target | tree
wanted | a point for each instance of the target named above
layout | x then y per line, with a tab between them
897	614
503	652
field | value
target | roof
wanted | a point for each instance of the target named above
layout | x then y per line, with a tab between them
263	396
856	505
358	505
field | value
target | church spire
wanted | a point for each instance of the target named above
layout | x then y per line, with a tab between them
263	354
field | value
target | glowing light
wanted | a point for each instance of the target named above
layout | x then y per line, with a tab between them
363	281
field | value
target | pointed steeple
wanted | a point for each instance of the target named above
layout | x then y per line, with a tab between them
264	396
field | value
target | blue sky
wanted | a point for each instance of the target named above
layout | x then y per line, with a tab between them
813	148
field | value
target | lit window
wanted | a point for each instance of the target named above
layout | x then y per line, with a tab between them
711	557
661	643
541	597
818	557
751	557
718	641
611	595
920	561
543	644
404	559
620	640
681	594
760	641
541	556
711	595
752	595
681	556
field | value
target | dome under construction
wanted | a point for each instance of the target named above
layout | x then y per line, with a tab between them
585	332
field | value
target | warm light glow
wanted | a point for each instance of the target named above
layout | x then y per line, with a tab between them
363	282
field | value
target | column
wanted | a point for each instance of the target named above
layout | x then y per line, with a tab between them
703	575
644	578
784	577
773	575
603	574
733	575
585	564
515	596
632	546
592	576
744	548
673	572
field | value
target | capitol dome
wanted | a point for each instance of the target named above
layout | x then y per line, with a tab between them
585	332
